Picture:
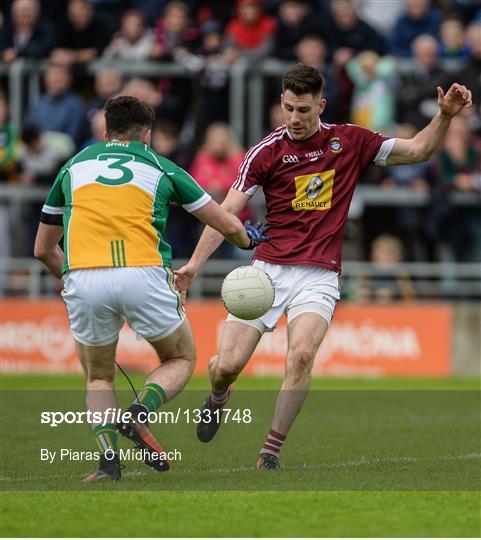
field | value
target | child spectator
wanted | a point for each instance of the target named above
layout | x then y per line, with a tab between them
373	100
453	39
133	42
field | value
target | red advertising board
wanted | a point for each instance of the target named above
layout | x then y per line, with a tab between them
366	340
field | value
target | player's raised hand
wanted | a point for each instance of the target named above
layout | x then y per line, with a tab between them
183	278
455	99
256	233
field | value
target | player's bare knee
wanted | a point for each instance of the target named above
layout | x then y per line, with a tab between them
300	361
226	371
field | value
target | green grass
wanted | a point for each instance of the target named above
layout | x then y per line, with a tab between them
386	457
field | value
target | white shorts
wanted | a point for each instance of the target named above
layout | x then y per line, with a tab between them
99	300
300	288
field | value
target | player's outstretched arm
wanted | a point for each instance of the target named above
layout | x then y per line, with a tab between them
210	240
47	249
423	145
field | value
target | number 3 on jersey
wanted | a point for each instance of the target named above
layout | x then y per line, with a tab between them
116	171
314	191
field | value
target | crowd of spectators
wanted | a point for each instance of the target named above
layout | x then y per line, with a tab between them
382	61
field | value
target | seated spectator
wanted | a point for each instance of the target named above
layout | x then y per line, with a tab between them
107	83
215	168
174	37
373	100
276	117
294	21
27	35
417	102
82	37
380	14
215	77
59	108
133	42
42	154
97	128
166	142
349	35
8	143
459	168
146	91
453	39
251	32
386	282
217	161
469	74
411	223
419	18
311	51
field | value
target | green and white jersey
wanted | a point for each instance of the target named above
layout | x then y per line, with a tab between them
114	198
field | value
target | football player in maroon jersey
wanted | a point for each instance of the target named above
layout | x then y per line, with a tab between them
308	171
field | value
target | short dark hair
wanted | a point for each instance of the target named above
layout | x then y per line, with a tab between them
30	133
127	117
302	79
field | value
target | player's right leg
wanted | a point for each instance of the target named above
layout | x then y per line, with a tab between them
98	363
237	344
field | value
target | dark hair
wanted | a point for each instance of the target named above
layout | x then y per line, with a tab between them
30	133
127	117
302	79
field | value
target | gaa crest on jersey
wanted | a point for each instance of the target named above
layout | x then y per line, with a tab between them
314	191
335	145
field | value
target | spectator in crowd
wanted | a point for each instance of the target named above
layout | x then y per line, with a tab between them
419	18
459	169
97	127
294	21
373	100
215	77
251	32
380	14
27	35
215	167
276	117
41	155
145	91
217	161
182	231
59	108
348	34
82	37
133	42
174	37
176	40
386	282
8	143
312	51
469	73
166	142
416	102
107	83
453	39
410	222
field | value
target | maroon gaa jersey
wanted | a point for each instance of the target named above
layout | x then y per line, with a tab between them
308	187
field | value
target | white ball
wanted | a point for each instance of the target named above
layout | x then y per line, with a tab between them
248	292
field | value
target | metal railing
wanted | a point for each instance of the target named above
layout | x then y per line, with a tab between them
247	85
460	281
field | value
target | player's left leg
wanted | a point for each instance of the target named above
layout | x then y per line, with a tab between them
98	363
305	334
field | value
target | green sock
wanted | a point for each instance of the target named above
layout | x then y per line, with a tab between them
106	437
152	396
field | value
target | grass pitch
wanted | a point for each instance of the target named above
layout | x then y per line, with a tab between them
365	458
